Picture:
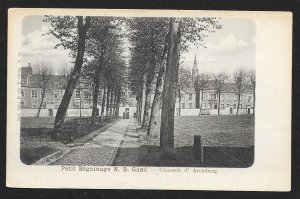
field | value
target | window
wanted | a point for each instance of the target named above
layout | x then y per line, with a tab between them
86	94
204	95
190	105
22	104
222	97
234	106
44	105
228	97
77	94
183	105
56	105
77	105
249	99
222	105
215	106
22	93
56	94
241	106
235	98
34	104
190	96
182	96
215	96
33	94
86	105
204	105
210	106
42	94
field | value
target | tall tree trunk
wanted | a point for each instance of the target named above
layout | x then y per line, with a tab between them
197	98
40	106
170	85
118	103
107	101
179	97
61	112
238	105
200	112
155	109
111	103
219	98
115	103
142	102
103	104
137	108
146	116
96	93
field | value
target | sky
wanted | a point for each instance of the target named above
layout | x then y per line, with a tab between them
226	50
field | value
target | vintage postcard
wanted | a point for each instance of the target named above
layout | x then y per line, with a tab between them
149	99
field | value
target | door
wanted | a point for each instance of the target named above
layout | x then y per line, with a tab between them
230	111
50	112
248	110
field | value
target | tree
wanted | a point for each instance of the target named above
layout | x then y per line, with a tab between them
72	32
200	84
104	36
65	72
147	37
252	78
170	84
44	75
239	80
182	32
219	81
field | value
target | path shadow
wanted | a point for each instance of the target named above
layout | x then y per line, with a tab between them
228	157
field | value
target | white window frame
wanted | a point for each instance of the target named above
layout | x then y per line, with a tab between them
56	92
77	92
33	104
34	93
190	96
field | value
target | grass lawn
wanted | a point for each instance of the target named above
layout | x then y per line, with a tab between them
223	130
228	141
36	140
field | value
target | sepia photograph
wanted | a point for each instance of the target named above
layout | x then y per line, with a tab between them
138	91
137	99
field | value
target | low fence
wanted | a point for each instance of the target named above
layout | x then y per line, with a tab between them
51	112
223	111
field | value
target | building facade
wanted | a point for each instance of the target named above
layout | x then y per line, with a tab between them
208	99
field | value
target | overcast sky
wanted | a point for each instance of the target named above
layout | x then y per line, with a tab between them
227	49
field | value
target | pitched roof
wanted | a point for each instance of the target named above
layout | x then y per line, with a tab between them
228	88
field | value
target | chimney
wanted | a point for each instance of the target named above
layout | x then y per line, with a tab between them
29	68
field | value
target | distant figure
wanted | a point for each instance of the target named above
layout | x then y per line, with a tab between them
127	115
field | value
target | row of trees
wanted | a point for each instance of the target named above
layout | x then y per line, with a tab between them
157	44
95	44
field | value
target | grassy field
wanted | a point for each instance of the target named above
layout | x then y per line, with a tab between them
36	140
223	131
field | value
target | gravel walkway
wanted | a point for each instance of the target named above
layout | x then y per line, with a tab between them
100	151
